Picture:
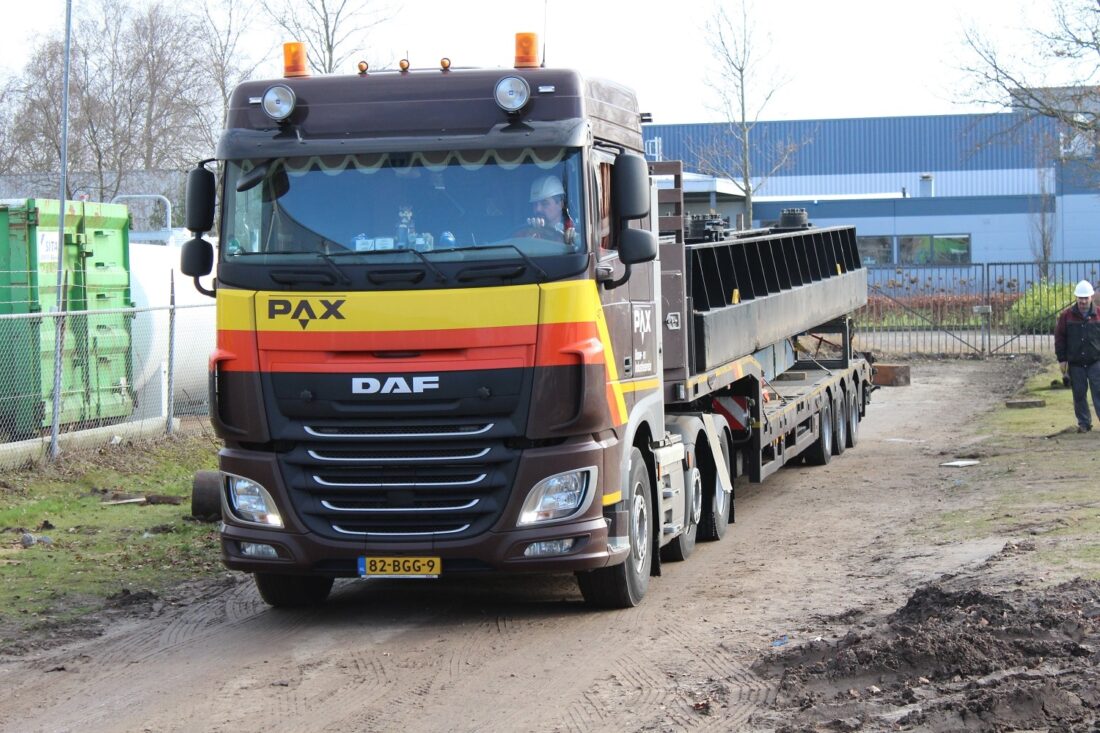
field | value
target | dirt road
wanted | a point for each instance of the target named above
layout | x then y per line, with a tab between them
812	549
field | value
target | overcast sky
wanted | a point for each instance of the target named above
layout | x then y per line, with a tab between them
846	58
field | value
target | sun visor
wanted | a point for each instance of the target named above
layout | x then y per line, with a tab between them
240	143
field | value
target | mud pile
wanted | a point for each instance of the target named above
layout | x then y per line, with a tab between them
951	660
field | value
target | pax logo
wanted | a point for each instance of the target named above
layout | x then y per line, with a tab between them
643	320
393	385
305	310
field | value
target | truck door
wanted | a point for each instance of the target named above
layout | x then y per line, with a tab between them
616	302
630	309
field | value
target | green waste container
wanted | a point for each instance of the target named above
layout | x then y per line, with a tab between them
96	355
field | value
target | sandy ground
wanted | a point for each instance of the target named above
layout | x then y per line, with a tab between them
820	610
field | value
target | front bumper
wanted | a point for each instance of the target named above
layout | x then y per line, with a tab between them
499	549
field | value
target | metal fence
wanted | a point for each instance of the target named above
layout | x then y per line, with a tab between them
992	308
133	368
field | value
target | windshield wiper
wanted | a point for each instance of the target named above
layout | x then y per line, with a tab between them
523	255
327	259
439	274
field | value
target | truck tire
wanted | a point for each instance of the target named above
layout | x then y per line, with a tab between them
680	549
624	585
853	418
716	503
292	591
821	451
840	424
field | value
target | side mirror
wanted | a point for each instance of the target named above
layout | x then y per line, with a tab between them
200	200
196	257
630	186
637	246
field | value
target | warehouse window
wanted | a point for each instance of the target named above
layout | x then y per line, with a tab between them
876	250
951	249
934	249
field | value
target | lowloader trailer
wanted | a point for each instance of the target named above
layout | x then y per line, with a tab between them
459	331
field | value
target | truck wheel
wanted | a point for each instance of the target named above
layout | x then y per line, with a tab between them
624	585
292	591
821	451
716	502
840	424
853	418
682	547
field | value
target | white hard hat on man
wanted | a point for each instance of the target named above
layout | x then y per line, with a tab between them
545	187
1083	290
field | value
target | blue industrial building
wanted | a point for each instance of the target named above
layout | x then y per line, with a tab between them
945	189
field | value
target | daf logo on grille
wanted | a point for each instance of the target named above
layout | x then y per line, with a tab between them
394	385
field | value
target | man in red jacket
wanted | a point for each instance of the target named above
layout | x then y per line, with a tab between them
1077	346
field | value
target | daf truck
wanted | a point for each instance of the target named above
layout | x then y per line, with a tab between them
459	332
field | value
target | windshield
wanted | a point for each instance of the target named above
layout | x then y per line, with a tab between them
507	203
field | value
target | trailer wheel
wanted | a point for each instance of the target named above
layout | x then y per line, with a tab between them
292	591
716	503
821	451
624	585
840	422
681	548
853	418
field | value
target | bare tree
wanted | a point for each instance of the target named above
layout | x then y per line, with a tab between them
1043	221
331	29
133	94
1069	50
7	147
224	61
742	98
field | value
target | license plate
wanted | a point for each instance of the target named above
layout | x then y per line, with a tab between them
400	567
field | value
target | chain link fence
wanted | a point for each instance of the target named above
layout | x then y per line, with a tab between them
143	368
983	309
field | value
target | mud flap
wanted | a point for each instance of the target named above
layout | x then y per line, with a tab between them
716	452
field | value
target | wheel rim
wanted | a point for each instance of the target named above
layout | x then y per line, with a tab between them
639	528
841	423
827	429
853	416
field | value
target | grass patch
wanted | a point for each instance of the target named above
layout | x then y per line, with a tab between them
1009	424
1037	481
86	550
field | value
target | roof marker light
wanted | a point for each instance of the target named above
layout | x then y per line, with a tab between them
512	94
527	50
294	59
403	64
363	66
445	64
278	102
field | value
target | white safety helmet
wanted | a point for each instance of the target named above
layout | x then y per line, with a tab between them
545	187
1083	289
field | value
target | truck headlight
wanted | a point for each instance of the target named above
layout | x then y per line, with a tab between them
559	496
250	502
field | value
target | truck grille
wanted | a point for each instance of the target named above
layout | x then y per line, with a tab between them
400	482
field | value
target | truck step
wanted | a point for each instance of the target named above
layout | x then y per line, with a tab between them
671	528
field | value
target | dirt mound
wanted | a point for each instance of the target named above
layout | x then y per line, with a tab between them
951	660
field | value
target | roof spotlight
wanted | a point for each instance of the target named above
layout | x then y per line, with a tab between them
278	102
512	94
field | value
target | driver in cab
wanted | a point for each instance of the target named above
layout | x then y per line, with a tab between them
550	214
